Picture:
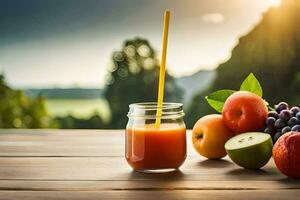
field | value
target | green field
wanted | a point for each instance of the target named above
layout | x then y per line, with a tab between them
81	108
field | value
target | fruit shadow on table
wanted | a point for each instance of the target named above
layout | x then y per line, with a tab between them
290	181
214	163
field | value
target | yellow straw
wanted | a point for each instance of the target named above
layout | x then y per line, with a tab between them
162	69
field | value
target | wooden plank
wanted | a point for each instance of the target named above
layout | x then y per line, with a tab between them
171	194
78	132
116	168
71	143
71	136
61	143
282	184
46	149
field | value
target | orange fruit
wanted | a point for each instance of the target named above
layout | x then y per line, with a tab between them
210	135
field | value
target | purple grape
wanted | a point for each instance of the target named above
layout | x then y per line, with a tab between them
273	114
296	128
286	129
298	115
269	130
277	135
279	123
295	110
293	121
285	115
281	106
270	121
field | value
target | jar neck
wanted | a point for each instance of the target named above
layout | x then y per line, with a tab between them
149	110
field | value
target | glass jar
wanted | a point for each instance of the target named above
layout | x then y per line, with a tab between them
151	147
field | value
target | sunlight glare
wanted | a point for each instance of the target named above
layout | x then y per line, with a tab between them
274	2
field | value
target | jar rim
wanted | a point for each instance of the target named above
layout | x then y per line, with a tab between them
149	109
153	105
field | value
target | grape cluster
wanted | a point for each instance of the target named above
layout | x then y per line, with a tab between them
282	120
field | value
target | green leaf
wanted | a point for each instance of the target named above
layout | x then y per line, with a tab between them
251	84
217	99
270	108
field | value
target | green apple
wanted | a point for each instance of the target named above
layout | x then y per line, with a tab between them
250	150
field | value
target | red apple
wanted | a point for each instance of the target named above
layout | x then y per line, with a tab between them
286	154
245	112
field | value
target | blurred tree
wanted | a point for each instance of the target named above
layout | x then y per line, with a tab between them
70	122
271	50
133	77
19	111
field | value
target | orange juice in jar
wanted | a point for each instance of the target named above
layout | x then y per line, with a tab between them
152	148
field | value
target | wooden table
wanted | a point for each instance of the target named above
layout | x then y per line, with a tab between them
86	164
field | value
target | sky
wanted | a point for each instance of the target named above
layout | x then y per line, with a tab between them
66	43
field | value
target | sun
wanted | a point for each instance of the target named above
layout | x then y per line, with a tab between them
274	2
